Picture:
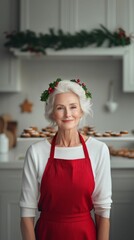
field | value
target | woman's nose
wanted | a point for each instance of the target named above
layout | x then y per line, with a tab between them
67	112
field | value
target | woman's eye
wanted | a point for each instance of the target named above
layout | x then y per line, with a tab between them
73	107
62	108
59	108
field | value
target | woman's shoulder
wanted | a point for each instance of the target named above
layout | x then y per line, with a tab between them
42	145
96	143
38	153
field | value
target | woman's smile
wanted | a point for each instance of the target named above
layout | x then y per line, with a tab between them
67	120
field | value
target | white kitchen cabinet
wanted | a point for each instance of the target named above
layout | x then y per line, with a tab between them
122	213
9	65
10	80
10	182
122	169
40	15
74	15
71	15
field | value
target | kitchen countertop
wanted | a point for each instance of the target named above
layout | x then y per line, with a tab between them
11	160
14	159
124	138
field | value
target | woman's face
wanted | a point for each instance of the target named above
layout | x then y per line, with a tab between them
67	111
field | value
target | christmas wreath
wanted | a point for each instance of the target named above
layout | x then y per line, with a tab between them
57	40
53	85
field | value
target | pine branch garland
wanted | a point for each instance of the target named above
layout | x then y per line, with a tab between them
30	41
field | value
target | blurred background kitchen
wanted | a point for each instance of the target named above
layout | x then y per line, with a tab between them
109	74
32	75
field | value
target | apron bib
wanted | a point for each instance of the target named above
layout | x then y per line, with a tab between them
65	199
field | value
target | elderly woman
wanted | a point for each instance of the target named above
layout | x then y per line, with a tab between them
67	175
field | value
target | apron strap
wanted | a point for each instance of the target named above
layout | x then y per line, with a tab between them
53	147
81	140
84	146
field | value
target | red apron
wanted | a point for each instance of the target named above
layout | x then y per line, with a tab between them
65	199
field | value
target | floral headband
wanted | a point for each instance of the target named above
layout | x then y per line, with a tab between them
53	85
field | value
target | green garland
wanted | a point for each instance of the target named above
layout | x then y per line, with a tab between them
31	42
45	95
51	88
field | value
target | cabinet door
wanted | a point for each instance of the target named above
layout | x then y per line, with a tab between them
10	216
40	15
10	185
9	66
86	14
9	74
122	214
69	15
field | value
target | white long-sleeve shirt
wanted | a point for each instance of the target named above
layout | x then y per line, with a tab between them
35	162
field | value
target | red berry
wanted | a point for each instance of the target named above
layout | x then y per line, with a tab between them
49	89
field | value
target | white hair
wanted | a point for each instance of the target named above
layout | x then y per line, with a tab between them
65	86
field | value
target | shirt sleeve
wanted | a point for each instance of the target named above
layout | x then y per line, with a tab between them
30	188
102	194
